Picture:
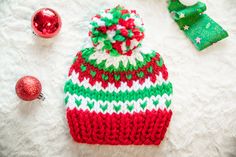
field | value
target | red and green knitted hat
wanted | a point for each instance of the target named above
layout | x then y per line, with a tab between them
117	91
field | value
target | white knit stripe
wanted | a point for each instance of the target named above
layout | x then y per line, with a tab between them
110	109
100	56
111	87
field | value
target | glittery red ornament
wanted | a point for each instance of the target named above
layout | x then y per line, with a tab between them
29	88
46	23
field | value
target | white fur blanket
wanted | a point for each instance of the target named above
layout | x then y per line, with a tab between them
204	100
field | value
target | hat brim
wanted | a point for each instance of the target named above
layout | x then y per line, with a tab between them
143	128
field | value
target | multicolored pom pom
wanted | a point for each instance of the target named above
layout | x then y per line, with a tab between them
117	31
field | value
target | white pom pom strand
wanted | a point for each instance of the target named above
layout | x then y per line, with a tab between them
188	2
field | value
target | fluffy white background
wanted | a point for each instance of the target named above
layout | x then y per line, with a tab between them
204	102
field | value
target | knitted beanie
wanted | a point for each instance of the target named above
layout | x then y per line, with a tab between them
117	91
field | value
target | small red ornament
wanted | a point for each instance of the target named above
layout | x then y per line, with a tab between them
29	88
46	23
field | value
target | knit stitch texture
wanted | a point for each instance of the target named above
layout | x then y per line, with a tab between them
117	91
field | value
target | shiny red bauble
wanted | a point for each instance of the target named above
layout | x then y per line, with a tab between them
46	23
28	88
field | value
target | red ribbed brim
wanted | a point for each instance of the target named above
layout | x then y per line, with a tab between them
146	128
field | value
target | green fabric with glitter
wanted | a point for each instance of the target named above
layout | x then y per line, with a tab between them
198	27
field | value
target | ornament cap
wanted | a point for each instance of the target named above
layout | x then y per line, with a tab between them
41	97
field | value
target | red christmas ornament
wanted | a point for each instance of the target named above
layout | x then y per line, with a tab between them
29	88
46	23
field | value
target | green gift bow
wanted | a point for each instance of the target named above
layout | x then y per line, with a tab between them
198	27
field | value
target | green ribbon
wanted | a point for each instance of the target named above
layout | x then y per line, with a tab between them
198	27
